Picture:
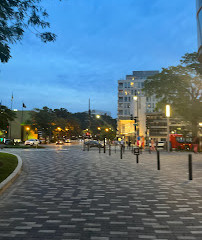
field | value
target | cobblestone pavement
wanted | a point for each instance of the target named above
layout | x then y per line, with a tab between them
67	193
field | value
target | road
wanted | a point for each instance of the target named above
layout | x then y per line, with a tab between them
66	193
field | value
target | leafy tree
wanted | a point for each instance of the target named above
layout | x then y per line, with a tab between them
6	115
16	16
181	87
44	119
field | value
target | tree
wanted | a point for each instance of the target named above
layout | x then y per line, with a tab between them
6	115
43	119
181	87
16	16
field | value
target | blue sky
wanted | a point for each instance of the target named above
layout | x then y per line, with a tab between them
98	43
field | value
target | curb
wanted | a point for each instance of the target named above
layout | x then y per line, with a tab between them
11	178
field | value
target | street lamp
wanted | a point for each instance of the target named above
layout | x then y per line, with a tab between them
27	129
168	130
135	98
97	116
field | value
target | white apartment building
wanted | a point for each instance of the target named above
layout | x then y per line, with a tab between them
127	107
130	87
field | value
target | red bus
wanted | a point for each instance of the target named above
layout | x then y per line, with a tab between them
179	142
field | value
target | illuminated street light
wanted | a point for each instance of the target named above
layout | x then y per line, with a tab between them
28	128
200	124
99	128
59	129
97	116
107	129
168	130
135	98
167	110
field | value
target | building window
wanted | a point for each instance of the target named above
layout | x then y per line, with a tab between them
125	99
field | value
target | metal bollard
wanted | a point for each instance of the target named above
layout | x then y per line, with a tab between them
137	158
121	152
190	167
158	160
109	150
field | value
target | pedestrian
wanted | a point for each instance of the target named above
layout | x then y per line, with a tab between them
196	144
156	142
143	143
152	145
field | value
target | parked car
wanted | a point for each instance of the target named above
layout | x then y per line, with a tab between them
94	144
32	142
68	141
8	141
59	142
161	144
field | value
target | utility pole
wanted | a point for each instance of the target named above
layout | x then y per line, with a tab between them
89	116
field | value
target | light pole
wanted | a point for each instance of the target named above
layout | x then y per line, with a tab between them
168	130
135	98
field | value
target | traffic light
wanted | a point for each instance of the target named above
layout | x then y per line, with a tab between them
131	116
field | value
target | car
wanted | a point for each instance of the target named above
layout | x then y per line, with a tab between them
58	142
32	142
8	142
161	144
93	144
68	141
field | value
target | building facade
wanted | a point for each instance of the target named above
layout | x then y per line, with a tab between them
133	104
199	27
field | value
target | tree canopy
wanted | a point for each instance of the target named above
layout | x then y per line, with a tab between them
16	16
181	87
6	115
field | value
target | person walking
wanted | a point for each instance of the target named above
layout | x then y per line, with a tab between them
196	144
152	145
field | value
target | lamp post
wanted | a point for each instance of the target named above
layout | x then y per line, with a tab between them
27	129
135	98
168	130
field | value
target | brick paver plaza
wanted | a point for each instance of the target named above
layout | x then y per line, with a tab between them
67	193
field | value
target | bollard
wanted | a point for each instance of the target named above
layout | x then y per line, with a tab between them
137	158
158	160
109	150
190	167
121	154
99	149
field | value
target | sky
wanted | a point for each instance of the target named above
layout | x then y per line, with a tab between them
98	43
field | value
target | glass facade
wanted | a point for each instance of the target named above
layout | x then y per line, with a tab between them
199	27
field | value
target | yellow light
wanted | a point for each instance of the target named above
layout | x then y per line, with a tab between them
135	98
200	124
167	110
99	128
107	129
126	93
97	116
132	83
66	129
59	129
27	128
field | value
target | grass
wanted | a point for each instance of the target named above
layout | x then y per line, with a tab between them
8	163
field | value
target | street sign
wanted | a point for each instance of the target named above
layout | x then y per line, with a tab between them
135	124
136	151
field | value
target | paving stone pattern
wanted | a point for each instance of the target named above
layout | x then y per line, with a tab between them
74	194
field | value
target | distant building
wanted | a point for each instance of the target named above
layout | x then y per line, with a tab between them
20	129
133	103
199	27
